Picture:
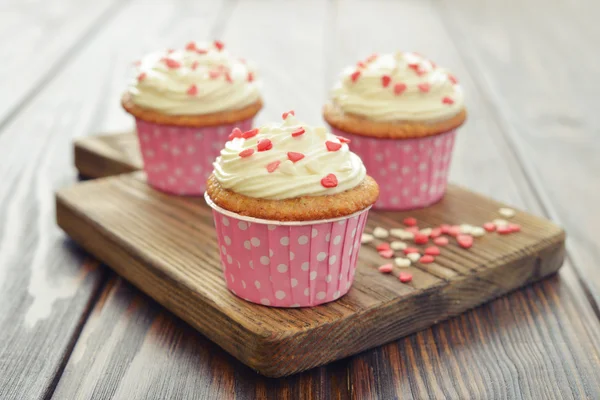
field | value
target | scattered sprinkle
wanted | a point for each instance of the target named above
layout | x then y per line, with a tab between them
507	212
330	181
399	88
214	74
246	153
402	262
504	229
355	75
402	234
500	222
424	87
250	134
250	77
397	245
489	226
172	63
410	250
445	228
514	227
426	259
360	64
294	157
385	80
386	268
454	230
272	166
387	253
426	231
141	77
193	90
191	46
298	132
285	114
333	146
477	231
435	232
380	233
372	57
366	238
410	221
432	251
466	228
405	277
343	139
264	145
465	241
219	45
201	51
441	241
383	246
235	133
421	238
414	257
194	65
447	100
412	229
228	77
452	79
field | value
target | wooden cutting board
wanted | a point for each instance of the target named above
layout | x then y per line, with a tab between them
167	247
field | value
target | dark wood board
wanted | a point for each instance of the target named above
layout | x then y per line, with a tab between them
138	232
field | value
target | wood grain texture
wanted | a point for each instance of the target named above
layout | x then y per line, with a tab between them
152	240
107	155
39	41
294	63
47	287
545	100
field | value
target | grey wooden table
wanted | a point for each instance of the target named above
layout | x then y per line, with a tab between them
71	329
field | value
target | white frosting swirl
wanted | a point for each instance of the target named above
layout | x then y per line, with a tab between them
200	79
417	90
324	154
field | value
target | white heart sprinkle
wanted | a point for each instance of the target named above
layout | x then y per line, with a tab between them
397	245
414	257
477	231
507	212
402	262
380	233
366	238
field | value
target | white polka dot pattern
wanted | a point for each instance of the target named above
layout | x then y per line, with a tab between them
411	173
178	160
289	265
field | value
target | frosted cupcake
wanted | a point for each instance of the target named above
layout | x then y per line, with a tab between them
290	202
186	102
401	111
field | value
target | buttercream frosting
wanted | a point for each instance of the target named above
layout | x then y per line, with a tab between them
286	160
198	79
398	87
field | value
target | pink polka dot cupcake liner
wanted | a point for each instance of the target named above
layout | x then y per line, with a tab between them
178	160
411	173
288	264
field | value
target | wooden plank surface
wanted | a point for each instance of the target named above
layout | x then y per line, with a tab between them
561	343
39	41
540	79
152	240
47	285
406	368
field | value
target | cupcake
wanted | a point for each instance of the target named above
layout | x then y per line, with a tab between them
401	112
186	103
290	202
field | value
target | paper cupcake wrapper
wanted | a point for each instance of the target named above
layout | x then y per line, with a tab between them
411	173
178	160
288	264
